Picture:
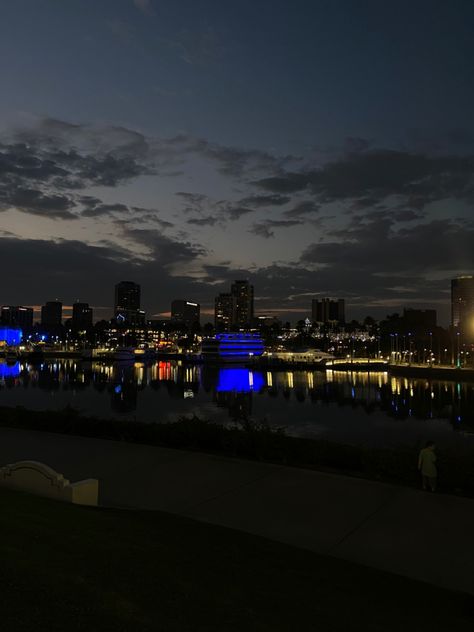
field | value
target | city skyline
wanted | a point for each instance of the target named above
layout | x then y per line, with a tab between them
234	308
166	144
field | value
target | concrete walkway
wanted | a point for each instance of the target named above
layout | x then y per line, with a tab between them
417	534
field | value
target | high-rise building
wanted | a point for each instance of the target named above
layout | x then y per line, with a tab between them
462	303
17	316
185	312
223	311
328	311
52	314
242	295
81	315
127	304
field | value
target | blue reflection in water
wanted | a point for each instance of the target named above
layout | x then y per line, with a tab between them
9	370
239	380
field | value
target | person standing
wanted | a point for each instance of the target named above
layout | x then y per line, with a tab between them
427	466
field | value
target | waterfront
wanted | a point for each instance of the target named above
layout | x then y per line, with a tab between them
360	408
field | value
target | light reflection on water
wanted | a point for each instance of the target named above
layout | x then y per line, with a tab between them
354	407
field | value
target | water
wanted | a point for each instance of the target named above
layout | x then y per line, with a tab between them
359	408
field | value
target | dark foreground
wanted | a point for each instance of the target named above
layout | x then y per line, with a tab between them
257	441
76	568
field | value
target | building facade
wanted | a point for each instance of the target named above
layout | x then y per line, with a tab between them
242	303
185	312
17	316
52	314
81	316
223	311
127	304
462	304
328	311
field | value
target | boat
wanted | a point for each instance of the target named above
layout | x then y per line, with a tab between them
232	347
143	355
124	354
299	356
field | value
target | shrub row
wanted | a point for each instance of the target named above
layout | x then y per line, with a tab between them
256	440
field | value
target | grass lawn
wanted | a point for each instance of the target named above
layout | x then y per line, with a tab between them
69	568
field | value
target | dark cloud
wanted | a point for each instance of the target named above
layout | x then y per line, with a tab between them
354	144
265	200
379	246
378	174
203	221
302	209
41	167
231	161
70	269
163	250
36	202
99	210
266	228
290	182
152	216
210	212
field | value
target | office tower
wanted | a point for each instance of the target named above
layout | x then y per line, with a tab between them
223	311
127	304
52	313
462	303
81	316
242	296
185	312
328	311
17	316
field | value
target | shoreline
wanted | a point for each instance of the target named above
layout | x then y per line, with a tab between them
257	441
430	372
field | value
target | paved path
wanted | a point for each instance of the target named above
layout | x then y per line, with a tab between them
417	534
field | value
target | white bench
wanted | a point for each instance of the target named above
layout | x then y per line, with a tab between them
38	478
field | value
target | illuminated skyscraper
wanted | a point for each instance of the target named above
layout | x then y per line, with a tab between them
462	303
127	304
223	311
185	312
242	296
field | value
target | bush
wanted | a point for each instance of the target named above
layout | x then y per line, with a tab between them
258	441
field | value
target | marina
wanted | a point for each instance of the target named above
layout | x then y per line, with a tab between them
370	408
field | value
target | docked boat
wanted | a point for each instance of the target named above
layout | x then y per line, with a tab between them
299	356
232	347
124	354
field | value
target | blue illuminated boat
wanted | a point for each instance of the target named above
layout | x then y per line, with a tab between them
232	347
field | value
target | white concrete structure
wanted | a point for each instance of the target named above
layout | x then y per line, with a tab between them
38	478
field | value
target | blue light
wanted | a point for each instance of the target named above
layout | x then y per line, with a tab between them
10	336
118	389
239	380
9	370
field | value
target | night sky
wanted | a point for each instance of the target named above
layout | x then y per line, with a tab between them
318	148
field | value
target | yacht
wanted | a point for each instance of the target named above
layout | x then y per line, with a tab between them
232	347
